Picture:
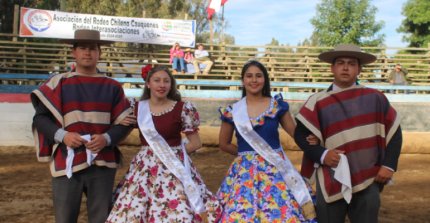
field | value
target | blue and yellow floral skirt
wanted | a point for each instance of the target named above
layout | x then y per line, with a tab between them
254	191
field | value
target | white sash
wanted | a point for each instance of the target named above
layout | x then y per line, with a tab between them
163	151
290	175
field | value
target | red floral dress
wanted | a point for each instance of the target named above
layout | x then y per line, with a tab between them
149	192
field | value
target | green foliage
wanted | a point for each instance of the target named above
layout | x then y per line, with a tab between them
417	23
197	11
346	21
312	41
100	7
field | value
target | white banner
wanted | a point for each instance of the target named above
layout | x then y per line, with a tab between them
55	24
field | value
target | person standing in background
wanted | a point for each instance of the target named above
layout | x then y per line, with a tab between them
398	75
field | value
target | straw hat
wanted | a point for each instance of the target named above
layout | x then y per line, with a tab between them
347	50
86	36
188	50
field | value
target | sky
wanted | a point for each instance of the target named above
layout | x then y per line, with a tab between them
256	22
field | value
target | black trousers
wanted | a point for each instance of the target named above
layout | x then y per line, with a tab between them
97	184
364	207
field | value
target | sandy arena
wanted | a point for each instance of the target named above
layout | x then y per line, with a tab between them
26	184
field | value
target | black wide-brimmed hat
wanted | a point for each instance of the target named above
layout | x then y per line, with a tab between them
86	36
347	50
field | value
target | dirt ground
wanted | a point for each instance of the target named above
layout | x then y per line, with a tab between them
25	191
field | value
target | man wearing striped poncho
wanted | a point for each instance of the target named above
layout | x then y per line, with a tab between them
360	138
76	128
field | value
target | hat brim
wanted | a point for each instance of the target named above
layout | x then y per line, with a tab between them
330	56
73	41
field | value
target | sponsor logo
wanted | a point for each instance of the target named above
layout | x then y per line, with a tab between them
39	20
166	26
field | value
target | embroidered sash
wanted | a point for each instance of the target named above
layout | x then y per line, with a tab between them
290	175
163	151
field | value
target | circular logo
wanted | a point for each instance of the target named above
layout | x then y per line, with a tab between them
167	26
39	20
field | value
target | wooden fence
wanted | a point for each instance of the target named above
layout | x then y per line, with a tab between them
284	63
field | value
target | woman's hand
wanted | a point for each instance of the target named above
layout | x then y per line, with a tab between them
312	140
129	120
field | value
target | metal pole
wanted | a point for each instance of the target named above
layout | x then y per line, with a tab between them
222	25
211	36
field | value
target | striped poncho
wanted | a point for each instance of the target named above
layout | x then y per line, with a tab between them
82	104
357	120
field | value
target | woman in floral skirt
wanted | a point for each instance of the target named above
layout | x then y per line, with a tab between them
162	185
261	185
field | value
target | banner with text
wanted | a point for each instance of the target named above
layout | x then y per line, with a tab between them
55	24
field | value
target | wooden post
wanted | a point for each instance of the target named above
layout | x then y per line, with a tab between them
25	55
15	22
109	64
211	35
63	5
385	66
65	54
428	56
270	63
226	62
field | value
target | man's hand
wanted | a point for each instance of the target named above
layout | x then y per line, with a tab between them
332	158
97	143
73	140
384	175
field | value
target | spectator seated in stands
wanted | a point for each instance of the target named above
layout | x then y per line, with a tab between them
177	59
189	58
201	56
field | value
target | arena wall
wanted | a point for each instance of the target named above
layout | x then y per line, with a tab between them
16	118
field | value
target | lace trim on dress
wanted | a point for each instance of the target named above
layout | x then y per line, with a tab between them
165	111
270	112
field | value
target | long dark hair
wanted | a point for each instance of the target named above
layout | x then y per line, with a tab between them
173	92
266	87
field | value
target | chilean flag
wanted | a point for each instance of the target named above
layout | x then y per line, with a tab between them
214	6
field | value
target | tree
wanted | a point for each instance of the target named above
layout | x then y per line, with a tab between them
312	41
416	25
100	7
346	21
198	12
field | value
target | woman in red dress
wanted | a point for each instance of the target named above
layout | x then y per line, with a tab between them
153	191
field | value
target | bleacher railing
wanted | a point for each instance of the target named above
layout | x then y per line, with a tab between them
284	63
